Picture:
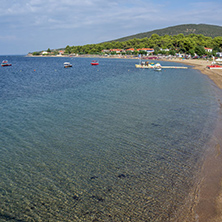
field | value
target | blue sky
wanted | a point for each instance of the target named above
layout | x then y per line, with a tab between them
34	25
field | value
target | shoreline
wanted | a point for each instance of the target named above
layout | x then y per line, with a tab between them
214	75
204	203
207	195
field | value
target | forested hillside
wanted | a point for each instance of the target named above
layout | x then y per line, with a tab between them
178	43
183	38
206	30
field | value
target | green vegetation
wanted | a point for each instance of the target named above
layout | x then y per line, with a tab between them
189	44
189	39
36	53
206	30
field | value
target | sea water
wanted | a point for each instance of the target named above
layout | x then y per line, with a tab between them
99	143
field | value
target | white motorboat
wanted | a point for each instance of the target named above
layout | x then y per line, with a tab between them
67	64
157	67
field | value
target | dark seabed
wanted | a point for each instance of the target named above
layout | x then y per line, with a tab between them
100	143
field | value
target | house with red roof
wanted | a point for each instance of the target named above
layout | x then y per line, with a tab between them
208	49
130	50
148	50
116	50
105	50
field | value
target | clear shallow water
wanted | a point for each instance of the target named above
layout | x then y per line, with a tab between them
103	143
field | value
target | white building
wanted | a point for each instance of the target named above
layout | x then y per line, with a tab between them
219	54
208	49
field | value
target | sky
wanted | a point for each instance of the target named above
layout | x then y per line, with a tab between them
35	25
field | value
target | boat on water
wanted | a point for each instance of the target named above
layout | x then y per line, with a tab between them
148	65
214	66
5	63
94	63
67	64
145	65
157	67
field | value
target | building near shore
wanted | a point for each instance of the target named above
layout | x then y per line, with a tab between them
208	49
219	54
148	50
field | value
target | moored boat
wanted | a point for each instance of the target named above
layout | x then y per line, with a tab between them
148	65
144	64
152	66
214	66
157	67
5	63
67	64
94	63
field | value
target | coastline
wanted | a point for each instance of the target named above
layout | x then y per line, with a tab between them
207	195
215	75
204	202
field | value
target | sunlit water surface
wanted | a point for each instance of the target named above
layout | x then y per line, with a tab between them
99	143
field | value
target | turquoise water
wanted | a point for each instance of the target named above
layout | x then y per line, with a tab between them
99	143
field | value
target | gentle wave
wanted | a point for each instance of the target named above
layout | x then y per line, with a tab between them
108	143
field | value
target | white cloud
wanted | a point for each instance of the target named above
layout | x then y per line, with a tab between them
92	21
76	13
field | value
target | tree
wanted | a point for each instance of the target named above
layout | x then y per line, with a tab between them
178	43
188	44
217	41
143	52
156	50
68	49
55	52
180	36
163	52
200	50
191	52
36	53
172	52
155	37
182	50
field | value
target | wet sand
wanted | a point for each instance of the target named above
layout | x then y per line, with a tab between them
206	203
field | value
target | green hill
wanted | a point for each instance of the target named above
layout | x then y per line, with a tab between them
206	30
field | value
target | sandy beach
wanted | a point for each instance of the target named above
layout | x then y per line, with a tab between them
208	194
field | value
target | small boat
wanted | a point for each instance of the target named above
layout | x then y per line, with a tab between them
157	67
67	64
152	65
94	63
5	63
144	64
219	60
214	66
